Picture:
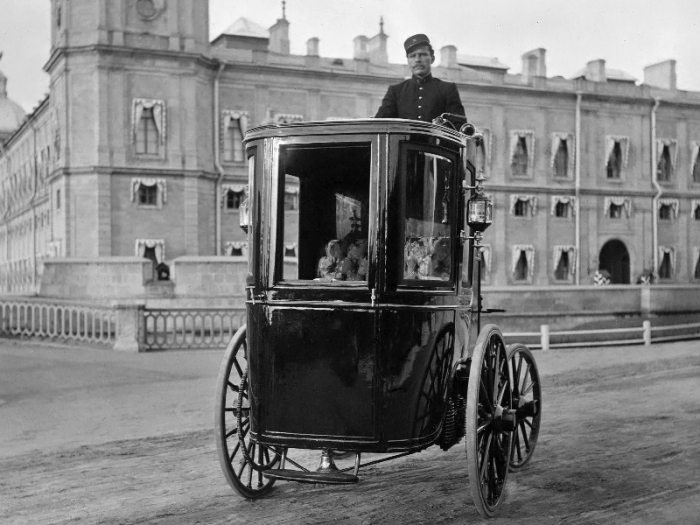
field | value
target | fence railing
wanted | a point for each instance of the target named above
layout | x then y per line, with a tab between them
546	339
190	328
57	320
132	327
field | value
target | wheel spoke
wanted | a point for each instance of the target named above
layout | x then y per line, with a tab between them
484	398
528	389
525	438
485	455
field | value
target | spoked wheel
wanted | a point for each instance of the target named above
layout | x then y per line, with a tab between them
490	421
242	460
527	401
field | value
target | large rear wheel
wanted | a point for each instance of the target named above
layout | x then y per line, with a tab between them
242	460
527	401
490	421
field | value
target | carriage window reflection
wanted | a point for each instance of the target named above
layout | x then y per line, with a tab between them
428	214
324	196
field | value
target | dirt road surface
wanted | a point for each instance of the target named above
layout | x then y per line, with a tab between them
90	436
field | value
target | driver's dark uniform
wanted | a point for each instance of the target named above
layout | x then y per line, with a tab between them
420	99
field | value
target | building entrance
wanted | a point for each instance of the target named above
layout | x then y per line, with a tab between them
615	258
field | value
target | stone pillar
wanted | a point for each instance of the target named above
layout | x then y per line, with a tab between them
129	325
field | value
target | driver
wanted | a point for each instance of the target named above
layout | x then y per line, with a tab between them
421	97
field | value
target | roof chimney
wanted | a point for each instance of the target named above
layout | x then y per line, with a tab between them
279	34
595	71
361	52
448	56
534	64
312	47
661	75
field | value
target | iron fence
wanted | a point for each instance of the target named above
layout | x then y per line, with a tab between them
199	328
58	320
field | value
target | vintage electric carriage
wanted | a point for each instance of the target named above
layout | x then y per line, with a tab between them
363	311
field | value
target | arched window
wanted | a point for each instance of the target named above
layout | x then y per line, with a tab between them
561	160
665	166
562	271
614	166
520	159
147	138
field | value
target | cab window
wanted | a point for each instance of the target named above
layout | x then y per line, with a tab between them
429	214
323	236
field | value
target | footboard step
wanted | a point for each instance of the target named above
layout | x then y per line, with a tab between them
327	478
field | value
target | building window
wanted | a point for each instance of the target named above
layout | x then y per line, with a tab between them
523	262
58	199
523	205
564	262
616	156
615	162
147	134
666	150
148	192
154	249
485	262
291	196
668	209
520	158
667	256
563	207
148	126
696	258
483	153
148	195
290	250
616	211
522	148
236	249
562	155
233	196
617	207
234	124
695	209
695	161
59	16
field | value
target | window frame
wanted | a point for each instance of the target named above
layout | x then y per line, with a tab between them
277	248
432	284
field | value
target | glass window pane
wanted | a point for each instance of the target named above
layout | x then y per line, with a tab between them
324	201
428	212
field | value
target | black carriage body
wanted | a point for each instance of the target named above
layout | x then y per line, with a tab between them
360	299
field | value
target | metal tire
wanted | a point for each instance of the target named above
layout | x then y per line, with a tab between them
527	400
488	399
244	472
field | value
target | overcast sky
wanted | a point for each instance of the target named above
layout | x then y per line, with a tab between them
628	34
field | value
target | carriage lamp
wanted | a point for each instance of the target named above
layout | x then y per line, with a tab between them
479	207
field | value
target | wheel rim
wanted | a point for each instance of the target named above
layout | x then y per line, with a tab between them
242	460
527	401
490	421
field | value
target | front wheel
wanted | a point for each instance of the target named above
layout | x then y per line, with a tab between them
242	460
527	401
490	421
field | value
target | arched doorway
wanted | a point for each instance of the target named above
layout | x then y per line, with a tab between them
615	258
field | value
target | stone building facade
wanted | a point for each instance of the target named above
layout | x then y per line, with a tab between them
137	150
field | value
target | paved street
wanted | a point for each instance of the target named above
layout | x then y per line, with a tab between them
93	436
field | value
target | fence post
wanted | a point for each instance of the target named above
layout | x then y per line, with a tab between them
128	329
544	336
646	326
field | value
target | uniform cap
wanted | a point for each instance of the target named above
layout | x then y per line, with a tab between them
414	41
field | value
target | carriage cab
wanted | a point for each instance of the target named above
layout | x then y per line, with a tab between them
362	304
361	280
